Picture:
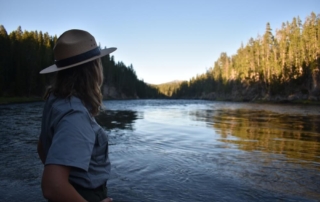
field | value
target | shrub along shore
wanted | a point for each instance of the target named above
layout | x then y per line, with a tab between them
13	100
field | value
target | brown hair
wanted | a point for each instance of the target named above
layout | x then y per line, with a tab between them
83	81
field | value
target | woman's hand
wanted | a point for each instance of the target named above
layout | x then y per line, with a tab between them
107	200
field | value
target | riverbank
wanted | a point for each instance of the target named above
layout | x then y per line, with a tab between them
239	96
14	100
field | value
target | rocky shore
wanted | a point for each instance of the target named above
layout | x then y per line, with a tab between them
255	95
112	93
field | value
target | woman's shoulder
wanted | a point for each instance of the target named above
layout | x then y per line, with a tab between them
65	105
71	110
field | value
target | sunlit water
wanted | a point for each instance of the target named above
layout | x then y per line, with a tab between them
182	150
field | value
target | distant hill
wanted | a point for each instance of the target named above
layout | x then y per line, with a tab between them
169	87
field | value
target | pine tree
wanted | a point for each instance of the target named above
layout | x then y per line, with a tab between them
4	59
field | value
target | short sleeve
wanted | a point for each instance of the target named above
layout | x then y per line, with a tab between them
72	141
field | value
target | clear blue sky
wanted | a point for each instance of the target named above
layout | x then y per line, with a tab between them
164	40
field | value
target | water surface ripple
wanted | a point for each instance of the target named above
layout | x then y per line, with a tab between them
182	150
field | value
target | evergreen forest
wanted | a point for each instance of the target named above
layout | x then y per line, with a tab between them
24	53
279	65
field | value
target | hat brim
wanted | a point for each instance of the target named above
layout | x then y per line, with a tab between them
54	68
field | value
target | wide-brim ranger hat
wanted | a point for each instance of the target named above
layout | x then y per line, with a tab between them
75	47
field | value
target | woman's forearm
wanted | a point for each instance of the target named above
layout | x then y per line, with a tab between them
56	186
63	193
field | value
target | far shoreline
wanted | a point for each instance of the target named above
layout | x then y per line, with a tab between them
19	100
23	100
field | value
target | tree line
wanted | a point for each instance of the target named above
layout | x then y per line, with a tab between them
24	53
283	63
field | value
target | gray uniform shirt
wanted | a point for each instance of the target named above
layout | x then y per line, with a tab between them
71	137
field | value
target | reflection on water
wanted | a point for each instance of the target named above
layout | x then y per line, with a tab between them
219	152
292	135
182	150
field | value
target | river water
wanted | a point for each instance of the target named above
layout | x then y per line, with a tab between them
182	150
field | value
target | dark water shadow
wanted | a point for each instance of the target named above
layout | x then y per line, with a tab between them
118	119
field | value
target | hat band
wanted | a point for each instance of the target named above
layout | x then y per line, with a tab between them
77	58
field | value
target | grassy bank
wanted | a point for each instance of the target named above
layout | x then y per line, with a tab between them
12	100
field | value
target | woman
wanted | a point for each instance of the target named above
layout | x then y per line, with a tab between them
72	146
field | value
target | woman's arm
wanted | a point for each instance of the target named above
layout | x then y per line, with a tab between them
55	184
40	152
